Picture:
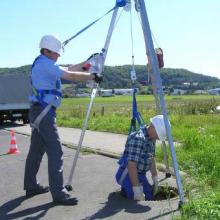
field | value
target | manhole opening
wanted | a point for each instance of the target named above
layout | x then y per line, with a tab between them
165	192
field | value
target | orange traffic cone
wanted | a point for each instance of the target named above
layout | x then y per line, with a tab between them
13	145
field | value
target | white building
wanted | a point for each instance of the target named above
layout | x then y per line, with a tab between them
106	92
124	91
215	91
112	92
200	92
178	92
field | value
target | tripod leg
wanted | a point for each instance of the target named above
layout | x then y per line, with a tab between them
153	60
68	186
104	51
165	159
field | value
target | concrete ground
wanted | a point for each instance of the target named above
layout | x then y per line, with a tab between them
93	182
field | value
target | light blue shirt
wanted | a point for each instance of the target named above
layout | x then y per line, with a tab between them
46	75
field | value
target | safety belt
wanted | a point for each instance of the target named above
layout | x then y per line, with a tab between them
47	109
39	94
36	123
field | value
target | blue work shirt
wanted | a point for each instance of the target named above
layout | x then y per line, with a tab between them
45	75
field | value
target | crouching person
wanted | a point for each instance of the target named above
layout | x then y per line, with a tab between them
138	158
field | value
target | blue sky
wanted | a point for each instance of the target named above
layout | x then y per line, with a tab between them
187	30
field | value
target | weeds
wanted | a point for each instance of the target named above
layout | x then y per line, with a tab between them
194	124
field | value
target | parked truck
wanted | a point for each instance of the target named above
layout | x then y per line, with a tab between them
14	91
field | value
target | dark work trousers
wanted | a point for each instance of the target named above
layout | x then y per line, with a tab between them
45	140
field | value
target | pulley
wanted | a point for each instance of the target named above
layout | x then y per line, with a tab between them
133	75
127	7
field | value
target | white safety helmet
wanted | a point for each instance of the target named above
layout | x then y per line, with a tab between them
52	43
158	123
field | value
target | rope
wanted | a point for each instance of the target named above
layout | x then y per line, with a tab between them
121	3
118	18
133	72
132	38
85	28
136	117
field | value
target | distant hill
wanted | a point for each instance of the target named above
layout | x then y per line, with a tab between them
16	70
119	77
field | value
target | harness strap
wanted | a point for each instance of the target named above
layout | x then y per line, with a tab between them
43	92
123	175
39	94
136	115
36	123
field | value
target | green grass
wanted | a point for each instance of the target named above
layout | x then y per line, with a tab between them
140	98
194	124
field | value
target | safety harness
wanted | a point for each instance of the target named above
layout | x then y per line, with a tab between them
122	177
137	125
135	120
40	94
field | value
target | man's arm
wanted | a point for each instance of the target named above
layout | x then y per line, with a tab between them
136	187
154	175
77	75
133	173
76	67
153	168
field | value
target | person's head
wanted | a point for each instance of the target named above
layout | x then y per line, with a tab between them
157	129
50	46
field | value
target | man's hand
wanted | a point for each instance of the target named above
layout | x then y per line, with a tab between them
98	78
138	193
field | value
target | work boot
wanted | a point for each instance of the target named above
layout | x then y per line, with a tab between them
38	190
66	201
70	201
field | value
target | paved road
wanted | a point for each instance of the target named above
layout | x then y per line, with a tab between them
94	186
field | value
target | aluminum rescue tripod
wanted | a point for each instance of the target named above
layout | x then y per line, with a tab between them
156	82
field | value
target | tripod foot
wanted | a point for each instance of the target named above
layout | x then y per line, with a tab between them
69	188
180	205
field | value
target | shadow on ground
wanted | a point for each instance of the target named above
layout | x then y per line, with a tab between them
6	210
116	204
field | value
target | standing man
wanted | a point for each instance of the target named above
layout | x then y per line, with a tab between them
45	98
